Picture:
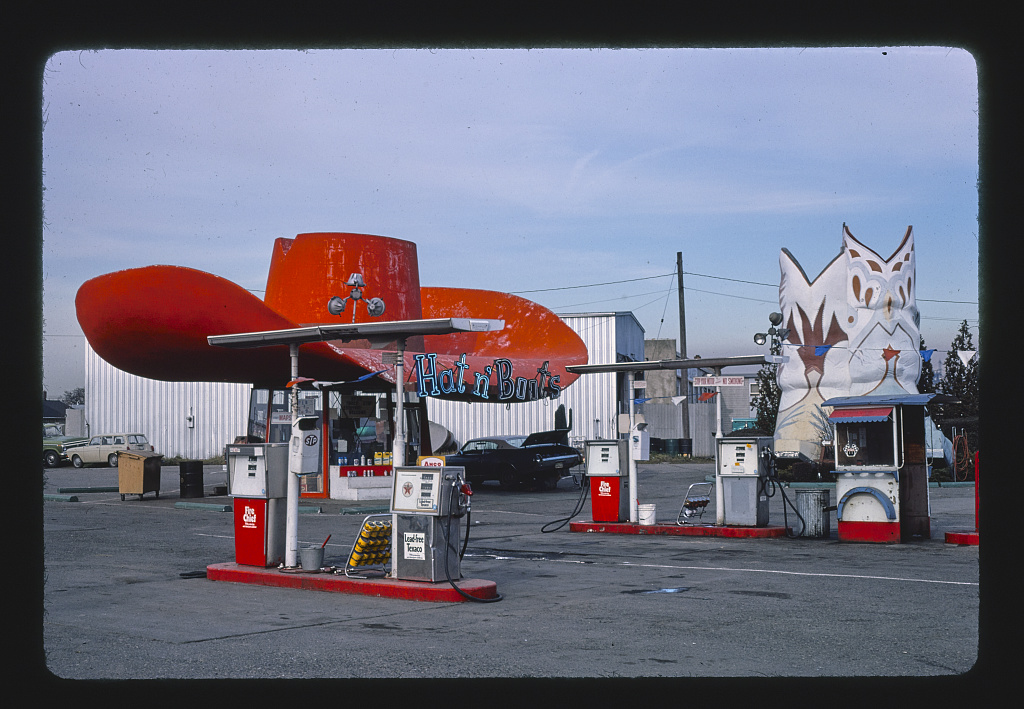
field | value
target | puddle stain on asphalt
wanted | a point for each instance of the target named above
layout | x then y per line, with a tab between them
640	591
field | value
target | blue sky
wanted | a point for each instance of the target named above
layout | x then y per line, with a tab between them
525	171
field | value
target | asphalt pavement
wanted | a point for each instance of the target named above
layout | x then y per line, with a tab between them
125	595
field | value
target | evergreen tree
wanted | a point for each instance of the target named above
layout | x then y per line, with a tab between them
926	382
74	396
769	393
960	382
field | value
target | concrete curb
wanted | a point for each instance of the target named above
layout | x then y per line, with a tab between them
66	490
60	498
339	583
695	530
364	510
830	486
213	507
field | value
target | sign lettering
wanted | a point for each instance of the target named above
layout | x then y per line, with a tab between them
249	518
415	545
433	382
718	381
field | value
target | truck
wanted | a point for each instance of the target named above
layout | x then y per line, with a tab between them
56	445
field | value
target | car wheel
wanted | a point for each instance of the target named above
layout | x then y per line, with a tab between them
112	460
76	461
507	479
51	459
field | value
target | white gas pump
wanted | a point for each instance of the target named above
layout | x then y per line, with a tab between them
742	465
427	506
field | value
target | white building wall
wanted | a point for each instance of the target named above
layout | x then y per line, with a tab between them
118	401
592	398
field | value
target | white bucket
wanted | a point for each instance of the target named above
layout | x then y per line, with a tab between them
646	514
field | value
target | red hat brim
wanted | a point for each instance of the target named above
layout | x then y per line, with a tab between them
153	322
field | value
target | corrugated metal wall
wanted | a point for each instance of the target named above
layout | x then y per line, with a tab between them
702	424
666	421
591	398
118	401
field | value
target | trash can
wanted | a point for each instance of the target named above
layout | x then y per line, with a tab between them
686	447
190	473
812	505
138	473
672	446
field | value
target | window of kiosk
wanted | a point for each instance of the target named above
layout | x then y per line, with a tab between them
360	432
257	425
270	413
865	445
360	428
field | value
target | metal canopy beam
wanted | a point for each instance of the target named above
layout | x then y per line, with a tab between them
380	332
710	363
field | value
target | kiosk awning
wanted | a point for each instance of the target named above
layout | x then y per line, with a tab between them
870	415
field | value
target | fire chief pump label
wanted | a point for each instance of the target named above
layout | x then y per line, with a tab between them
604	489
415	546
249	518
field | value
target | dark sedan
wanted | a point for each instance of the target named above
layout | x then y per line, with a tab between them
537	460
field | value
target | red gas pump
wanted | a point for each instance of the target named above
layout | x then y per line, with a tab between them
607	468
257	475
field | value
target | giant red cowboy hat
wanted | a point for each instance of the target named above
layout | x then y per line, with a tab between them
153	321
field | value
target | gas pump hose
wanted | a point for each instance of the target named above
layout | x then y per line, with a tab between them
584	490
448	546
785	501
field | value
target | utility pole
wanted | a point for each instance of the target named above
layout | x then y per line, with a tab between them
682	344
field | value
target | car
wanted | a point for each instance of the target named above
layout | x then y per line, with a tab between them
537	460
104	448
56	444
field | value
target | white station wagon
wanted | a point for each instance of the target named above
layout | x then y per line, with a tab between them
104	449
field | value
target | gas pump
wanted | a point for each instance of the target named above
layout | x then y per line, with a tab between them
258	479
743	465
427	506
607	468
881	467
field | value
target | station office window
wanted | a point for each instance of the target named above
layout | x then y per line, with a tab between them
869	444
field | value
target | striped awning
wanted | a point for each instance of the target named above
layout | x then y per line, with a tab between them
862	415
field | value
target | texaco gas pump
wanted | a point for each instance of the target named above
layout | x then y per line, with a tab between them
427	506
882	466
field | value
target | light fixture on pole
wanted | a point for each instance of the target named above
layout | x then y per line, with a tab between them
777	334
374	306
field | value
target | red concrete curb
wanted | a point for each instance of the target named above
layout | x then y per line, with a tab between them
339	583
964	538
677	529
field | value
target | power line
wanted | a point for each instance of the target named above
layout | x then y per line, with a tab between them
708	275
592	285
735	280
